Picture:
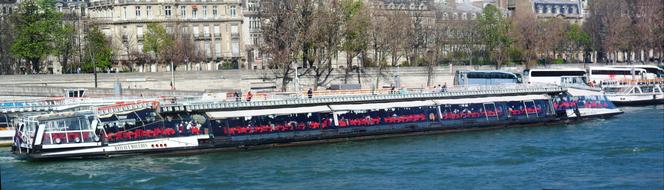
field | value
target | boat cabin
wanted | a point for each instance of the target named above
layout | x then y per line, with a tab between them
60	130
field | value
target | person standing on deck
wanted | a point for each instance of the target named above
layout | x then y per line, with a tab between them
237	96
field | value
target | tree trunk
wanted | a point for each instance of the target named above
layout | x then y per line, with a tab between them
359	69
349	66
430	69
378	74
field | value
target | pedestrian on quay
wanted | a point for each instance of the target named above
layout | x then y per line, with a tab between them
444	88
249	96
237	96
310	93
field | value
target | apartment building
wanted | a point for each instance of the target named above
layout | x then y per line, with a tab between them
214	28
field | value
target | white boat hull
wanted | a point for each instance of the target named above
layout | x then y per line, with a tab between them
635	98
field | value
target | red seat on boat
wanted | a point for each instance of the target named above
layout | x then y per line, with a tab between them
169	131
342	123
314	125
148	133
375	121
128	134
156	132
195	131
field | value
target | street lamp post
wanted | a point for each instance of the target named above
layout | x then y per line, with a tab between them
172	76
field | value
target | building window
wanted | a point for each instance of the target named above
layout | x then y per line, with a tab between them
138	11
139	32
540	9
148	11
217	31
207	49
205	15
183	11
253	6
215	12
167	11
124	12
234	29
233	11
194	12
195	30
217	48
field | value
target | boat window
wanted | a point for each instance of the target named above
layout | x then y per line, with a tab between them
73	124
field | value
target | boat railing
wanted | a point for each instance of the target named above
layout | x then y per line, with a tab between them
396	95
580	86
628	82
59	104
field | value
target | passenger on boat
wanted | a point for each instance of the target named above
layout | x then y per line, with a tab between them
115	127
180	127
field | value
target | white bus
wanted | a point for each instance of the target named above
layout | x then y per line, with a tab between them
486	77
653	71
599	74
551	76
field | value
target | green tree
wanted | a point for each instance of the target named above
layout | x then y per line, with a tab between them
98	50
7	61
157	41
493	29
577	39
35	21
65	44
355	32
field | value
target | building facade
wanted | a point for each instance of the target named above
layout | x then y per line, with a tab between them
213	27
570	10
252	34
8	7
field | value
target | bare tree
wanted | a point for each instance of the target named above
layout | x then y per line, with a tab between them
646	19
282	36
398	34
608	26
125	49
524	32
325	38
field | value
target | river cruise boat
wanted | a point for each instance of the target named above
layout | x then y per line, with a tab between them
73	100
634	92
151	127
